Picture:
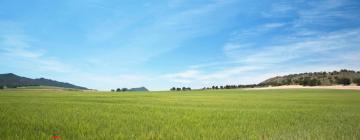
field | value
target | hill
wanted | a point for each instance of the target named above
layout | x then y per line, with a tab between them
139	89
11	80
342	77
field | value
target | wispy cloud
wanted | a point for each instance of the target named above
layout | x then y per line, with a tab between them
280	9
183	77
102	81
335	43
198	78
178	42
322	12
166	32
18	46
326	13
310	54
257	30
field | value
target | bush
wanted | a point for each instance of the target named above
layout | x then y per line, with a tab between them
356	81
173	89
343	81
314	82
307	81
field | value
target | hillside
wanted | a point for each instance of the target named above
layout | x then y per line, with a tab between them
342	77
12	81
138	89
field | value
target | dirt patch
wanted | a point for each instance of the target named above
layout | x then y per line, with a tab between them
353	87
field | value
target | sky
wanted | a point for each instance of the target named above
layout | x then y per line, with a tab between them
107	44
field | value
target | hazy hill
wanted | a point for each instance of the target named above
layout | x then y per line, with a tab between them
11	81
139	89
314	78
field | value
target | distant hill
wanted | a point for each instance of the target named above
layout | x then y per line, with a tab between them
344	77
11	80
138	89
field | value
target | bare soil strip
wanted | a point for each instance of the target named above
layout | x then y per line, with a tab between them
353	87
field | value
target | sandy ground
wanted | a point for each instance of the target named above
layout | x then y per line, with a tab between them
353	87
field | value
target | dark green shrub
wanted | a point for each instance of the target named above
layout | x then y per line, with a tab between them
356	81
343	81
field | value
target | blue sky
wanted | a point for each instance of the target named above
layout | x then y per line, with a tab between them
104	44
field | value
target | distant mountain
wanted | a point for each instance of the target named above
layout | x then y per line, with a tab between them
343	77
11	80
138	89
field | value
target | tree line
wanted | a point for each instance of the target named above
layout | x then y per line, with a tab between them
180	89
342	77
230	87
15	86
305	81
119	90
309	81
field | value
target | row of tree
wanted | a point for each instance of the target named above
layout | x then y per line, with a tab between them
342	77
180	89
14	86
119	90
356	81
231	87
307	81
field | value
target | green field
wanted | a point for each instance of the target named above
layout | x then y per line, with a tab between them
227	114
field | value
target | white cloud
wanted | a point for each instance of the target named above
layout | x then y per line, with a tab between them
196	77
228	72
20	49
235	46
107	82
244	62
257	30
183	77
325	42
18	46
272	25
165	32
316	53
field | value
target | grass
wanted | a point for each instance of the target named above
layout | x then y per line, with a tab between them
43	88
227	114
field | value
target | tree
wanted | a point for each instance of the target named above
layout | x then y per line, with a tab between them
286	81
124	89
1	87
112	90
331	81
178	89
356	81
305	81
118	90
173	89
314	82
343	81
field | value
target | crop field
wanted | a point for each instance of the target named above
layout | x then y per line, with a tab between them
222	114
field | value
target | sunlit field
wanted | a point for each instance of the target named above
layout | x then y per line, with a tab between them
222	114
